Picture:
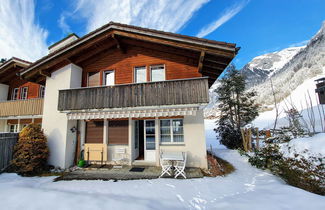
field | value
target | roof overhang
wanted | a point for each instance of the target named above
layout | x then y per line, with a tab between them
11	68
217	55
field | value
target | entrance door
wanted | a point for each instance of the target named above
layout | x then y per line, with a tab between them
139	140
150	140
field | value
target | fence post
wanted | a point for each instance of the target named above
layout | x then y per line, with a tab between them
242	130
257	139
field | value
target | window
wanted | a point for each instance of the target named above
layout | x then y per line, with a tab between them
23	93
171	131
14	95
41	91
157	73
93	79
109	78
13	128
150	135
140	74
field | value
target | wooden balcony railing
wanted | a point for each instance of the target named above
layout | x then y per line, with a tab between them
21	107
170	92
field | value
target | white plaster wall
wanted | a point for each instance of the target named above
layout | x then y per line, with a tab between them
4	92
3	125
56	126
194	141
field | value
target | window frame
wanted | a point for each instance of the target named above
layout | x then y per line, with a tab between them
150	69
171	132
41	92
104	77
93	72
22	93
13	94
135	74
15	128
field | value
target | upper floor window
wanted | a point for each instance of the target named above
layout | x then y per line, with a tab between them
157	73
140	74
14	95
23	93
109	78
42	91
93	79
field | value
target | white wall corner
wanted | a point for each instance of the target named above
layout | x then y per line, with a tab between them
56	126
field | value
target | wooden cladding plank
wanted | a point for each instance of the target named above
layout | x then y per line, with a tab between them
21	107
172	92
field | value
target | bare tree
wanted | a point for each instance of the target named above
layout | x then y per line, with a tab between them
275	105
310	112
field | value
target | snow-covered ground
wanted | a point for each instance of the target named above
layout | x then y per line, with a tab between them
305	147
246	188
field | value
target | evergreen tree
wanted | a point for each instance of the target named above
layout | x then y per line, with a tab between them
237	108
31	151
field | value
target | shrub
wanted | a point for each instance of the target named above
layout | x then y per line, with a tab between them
31	151
307	174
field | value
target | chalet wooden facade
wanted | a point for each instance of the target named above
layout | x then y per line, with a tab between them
121	94
21	101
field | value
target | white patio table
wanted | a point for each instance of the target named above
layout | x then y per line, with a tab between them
172	157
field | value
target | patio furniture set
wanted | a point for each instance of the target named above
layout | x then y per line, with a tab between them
173	163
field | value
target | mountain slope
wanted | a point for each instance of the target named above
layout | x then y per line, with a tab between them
287	69
306	64
264	66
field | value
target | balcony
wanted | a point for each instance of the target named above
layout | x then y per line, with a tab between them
170	92
21	107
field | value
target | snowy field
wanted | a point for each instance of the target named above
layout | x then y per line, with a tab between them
246	188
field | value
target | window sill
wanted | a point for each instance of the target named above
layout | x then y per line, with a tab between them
172	144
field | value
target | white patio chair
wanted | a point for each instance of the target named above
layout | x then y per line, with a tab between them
180	166
166	166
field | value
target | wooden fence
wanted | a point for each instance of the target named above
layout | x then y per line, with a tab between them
7	143
251	139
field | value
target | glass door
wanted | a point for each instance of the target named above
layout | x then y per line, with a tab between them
150	140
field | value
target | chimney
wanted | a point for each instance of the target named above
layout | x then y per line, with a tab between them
67	40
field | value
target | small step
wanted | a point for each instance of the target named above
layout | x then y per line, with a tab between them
143	163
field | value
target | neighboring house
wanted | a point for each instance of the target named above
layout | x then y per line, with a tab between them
123	93
21	102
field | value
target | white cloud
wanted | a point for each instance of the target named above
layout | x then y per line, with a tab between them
227	15
167	15
20	36
63	25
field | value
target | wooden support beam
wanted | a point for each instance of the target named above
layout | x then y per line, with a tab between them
216	62
44	73
214	67
89	54
201	62
220	52
119	44
162	48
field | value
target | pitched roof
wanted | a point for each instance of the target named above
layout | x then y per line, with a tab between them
138	30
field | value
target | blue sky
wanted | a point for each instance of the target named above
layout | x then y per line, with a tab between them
257	26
